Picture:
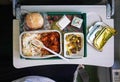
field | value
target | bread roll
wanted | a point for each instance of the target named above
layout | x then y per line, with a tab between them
34	20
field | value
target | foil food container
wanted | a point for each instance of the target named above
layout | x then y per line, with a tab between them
99	34
27	50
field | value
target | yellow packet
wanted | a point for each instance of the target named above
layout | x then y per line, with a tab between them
103	36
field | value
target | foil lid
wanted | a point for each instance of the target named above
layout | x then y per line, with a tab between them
99	34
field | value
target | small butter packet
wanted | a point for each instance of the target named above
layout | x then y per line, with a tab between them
77	22
63	22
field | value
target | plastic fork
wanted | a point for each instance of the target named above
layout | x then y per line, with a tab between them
39	44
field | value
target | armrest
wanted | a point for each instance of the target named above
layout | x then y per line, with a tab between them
110	8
